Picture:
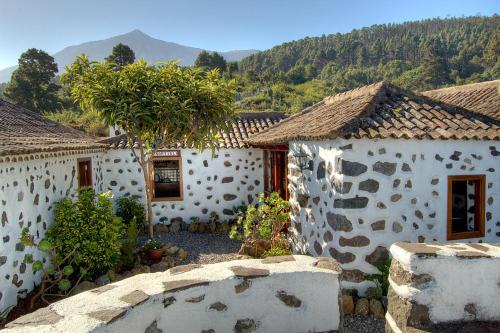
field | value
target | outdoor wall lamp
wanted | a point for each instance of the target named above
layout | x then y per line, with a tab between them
301	159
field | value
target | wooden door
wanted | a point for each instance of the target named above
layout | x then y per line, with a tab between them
85	173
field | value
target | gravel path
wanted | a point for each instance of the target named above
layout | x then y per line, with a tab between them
363	324
203	248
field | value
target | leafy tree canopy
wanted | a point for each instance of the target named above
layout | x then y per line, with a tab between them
121	55
156	105
209	61
32	84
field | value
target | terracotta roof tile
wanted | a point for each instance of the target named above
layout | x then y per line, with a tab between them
381	110
244	126
26	132
481	97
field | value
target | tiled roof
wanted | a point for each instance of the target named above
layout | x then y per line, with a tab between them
381	110
25	132
244	126
481	97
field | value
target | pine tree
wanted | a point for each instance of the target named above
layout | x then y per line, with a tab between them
32	84
122	55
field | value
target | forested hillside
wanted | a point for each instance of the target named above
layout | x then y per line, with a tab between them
418	55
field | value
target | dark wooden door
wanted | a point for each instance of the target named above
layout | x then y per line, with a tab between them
85	173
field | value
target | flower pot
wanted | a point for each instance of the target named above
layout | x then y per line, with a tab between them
155	254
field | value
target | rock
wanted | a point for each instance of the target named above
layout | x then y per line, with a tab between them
112	275
83	286
362	307
255	248
172	250
245	326
102	280
193	227
182	254
162	228
289	300
369	185
160	266
376	309
175	226
385	168
349	168
141	269
127	274
218	306
347	304
153	328
338	222
351	203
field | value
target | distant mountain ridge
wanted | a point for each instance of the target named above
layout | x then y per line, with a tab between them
144	46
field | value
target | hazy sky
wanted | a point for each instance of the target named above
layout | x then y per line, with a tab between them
211	24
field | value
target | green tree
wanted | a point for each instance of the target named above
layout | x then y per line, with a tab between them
435	69
155	105
208	61
121	55
32	84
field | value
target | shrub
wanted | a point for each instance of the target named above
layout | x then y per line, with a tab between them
265	220
129	207
277	251
129	244
89	226
59	277
381	280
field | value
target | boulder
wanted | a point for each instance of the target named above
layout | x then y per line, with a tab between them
347	304
172	250
102	280
376	309
255	248
83	286
362	307
182	254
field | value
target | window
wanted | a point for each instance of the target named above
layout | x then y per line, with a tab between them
466	206
167	176
84	172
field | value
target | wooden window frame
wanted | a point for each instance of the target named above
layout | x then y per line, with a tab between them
181	178
85	159
479	214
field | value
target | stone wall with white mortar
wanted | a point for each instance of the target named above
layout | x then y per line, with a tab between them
28	191
232	177
280	294
357	197
423	296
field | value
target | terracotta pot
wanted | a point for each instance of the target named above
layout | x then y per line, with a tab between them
155	254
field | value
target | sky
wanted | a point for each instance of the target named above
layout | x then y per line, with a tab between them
220	25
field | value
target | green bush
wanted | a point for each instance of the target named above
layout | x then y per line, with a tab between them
129	207
129	244
381	280
89	225
265	220
59	277
277	251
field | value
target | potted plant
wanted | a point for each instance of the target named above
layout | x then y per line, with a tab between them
154	249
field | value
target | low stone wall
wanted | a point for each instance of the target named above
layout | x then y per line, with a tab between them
278	294
444	288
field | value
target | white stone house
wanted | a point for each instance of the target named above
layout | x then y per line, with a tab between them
362	170
189	183
380	164
42	162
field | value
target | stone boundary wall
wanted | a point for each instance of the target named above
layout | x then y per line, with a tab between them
357	197
28	191
444	288
231	178
277	294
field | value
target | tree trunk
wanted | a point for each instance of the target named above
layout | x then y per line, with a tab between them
145	164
